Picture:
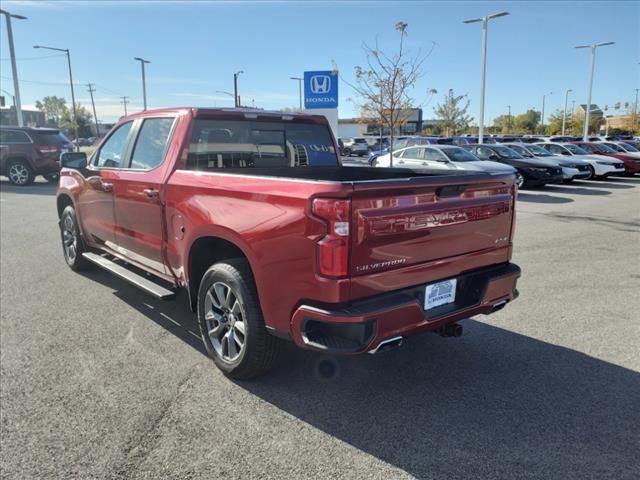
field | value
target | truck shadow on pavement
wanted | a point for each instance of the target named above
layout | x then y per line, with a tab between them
541	198
491	404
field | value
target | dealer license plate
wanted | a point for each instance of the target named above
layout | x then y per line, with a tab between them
440	293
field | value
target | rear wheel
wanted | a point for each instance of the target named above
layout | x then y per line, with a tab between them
72	245
20	173
347	152
231	322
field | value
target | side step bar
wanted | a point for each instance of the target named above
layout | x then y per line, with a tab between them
133	278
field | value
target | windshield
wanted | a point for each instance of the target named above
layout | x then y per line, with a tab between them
459	155
615	147
538	151
576	150
602	148
258	144
506	152
629	148
359	140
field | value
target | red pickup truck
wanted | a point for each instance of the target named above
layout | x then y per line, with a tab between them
253	213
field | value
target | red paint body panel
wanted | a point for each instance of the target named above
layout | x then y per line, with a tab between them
403	232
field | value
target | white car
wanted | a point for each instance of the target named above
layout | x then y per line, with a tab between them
572	168
441	157
601	165
622	147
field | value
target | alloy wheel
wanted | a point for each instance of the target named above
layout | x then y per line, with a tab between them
225	320
69	239
519	180
18	174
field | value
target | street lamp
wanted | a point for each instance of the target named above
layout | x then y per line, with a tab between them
235	87
144	81
593	47
542	113
73	96
12	53
483	72
564	115
226	93
299	79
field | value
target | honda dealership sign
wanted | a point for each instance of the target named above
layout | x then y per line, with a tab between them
321	89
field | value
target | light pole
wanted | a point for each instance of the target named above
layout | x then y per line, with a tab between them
73	95
483	71
144	81
542	113
564	114
299	79
635	114
593	47
12	53
235	88
509	119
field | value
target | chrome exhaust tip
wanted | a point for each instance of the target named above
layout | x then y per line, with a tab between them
387	344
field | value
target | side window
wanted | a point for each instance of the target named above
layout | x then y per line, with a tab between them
112	153
152	141
484	152
555	149
13	136
434	155
412	153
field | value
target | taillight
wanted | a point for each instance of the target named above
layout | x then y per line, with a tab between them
333	248
48	148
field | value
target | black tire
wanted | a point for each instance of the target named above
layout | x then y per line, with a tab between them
593	174
52	177
259	350
72	240
567	180
347	152
20	173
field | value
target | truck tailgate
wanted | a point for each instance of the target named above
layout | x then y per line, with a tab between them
398	224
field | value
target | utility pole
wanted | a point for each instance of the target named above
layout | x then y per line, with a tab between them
124	101
450	102
12	53
93	105
542	113
509	119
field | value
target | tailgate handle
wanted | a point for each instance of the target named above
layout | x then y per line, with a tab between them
451	191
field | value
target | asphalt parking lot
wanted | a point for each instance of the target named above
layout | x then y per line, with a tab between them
100	381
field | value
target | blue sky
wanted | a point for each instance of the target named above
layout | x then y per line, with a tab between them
196	46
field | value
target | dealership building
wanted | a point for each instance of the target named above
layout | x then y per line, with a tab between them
412	123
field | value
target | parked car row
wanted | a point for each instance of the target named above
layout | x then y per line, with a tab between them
535	164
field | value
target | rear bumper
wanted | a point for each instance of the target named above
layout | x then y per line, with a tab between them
361	326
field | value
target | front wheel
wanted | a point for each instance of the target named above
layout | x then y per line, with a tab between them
231	323
592	172
72	245
519	180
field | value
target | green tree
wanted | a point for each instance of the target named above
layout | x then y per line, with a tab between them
84	118
503	123
54	109
554	123
526	122
453	114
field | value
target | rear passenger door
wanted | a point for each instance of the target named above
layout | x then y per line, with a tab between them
137	194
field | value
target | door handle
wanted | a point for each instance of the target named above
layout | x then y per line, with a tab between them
150	192
107	187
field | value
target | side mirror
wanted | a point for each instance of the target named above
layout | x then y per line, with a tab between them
75	160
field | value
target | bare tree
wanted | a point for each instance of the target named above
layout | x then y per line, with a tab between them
383	86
